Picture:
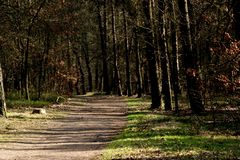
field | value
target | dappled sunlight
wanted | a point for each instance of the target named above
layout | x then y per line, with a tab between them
151	135
87	125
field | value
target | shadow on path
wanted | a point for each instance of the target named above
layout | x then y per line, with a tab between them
91	123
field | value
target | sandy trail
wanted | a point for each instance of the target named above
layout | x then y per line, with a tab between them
91	123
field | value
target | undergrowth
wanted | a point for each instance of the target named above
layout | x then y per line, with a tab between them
20	118
16	101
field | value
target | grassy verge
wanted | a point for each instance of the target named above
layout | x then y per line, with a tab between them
157	135
19	123
18	104
21	120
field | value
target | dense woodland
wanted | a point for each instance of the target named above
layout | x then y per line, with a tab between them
175	51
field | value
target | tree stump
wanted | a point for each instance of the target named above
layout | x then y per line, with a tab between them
39	111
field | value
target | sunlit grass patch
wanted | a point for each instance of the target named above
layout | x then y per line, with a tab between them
20	122
138	105
155	135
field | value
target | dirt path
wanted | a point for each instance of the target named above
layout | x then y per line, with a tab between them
91	123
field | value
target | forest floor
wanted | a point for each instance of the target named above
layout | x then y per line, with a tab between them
160	135
78	129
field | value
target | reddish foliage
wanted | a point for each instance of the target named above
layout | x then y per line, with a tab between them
191	72
226	65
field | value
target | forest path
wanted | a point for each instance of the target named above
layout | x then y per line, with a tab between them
91	122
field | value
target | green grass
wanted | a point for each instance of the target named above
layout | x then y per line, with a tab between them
20	117
16	101
26	103
19	122
157	135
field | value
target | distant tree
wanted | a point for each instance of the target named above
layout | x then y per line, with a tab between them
126	44
80	73
102	9
3	108
116	82
138	64
87	60
27	47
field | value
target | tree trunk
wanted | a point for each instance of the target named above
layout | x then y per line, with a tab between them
26	73
138	66
43	62
97	75
175	62
151	57
81	77
117	85
3	108
166	89
103	35
128	75
26	53
192	76
86	55
146	85
236	12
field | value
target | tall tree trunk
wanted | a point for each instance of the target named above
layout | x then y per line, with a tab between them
128	75
103	35
86	56
138	65
96	84
175	60
192	76
81	78
151	57
117	85
3	108
69	68
26	72
166	89
26	53
236	12
146	83
39	89
43	62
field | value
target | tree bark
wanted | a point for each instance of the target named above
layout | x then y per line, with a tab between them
86	56
3	107
43	62
166	89
103	30
138	65
81	77
151	57
175	57
192	76
26	73
26	53
97	75
117	85
128	75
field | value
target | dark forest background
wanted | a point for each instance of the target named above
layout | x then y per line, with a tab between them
179	52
